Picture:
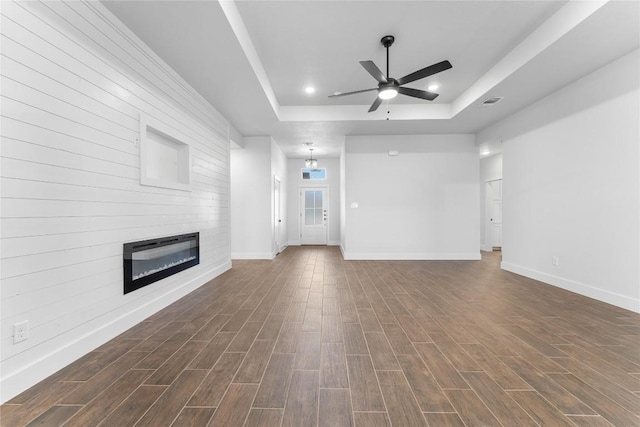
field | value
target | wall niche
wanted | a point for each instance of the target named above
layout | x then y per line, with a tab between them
165	160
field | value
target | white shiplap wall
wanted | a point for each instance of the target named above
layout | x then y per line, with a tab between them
74	82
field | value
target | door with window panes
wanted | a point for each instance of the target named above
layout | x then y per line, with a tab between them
313	216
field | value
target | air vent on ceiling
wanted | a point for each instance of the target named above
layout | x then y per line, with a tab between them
489	102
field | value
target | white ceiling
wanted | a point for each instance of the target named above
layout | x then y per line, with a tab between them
253	59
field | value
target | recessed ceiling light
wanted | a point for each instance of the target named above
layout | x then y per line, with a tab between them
310	89
485	152
432	87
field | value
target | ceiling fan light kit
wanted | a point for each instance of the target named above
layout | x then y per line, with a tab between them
389	88
388	92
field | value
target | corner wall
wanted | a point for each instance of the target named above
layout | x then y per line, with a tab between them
251	200
74	81
422	204
571	187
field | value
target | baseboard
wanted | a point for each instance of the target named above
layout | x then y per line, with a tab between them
599	294
253	255
410	256
47	364
486	248
282	247
297	243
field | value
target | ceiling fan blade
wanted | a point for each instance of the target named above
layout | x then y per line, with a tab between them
374	71
416	93
425	72
352	93
375	104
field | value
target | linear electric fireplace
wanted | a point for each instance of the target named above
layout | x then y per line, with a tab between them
148	261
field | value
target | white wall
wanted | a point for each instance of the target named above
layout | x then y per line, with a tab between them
422	204
332	183
251	200
571	186
490	170
74	81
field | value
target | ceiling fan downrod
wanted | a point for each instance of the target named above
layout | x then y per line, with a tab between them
387	41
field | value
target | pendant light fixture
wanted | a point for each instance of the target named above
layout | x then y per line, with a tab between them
310	163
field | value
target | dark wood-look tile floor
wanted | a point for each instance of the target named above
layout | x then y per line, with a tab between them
309	339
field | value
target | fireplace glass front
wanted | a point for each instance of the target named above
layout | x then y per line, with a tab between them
148	261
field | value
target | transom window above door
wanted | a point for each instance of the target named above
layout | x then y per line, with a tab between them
314	174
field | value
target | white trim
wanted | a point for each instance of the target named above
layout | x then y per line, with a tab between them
96	335
486	248
410	256
599	294
333	243
253	255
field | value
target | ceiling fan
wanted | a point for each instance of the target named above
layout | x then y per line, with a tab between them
388	87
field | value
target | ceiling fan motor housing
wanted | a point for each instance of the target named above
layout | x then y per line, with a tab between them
390	84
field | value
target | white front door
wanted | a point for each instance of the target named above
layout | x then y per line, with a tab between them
313	216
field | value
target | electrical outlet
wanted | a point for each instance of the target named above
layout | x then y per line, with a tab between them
20	331
555	260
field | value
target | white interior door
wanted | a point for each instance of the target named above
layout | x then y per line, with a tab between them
277	227
313	216
495	213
